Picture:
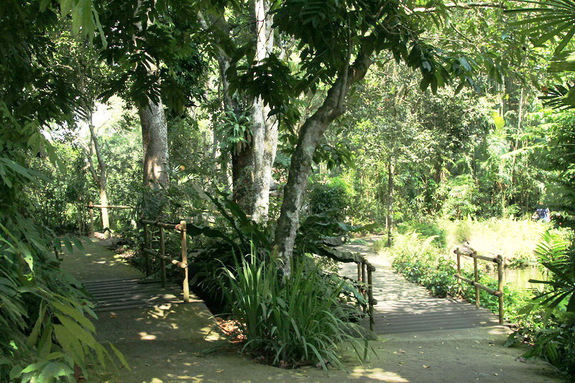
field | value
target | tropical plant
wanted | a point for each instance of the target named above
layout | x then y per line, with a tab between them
46	334
557	257
293	321
554	338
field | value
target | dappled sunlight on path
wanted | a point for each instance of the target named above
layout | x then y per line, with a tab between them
173	342
95	262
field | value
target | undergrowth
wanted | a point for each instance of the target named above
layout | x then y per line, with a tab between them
293	321
543	317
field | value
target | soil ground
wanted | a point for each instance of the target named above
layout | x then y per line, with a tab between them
177	343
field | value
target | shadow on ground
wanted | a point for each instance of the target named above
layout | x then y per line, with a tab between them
176	343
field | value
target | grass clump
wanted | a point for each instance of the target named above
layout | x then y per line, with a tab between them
293	321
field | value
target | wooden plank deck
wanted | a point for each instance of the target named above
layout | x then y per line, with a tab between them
121	294
406	307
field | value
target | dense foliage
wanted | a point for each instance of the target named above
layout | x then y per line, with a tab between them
417	113
293	322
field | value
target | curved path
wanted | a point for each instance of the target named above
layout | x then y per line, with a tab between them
175	343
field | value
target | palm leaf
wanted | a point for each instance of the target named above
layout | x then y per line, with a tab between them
555	18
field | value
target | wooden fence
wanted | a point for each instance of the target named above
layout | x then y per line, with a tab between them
365	278
160	252
498	260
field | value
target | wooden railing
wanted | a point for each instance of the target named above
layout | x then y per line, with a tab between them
364	277
469	252
160	252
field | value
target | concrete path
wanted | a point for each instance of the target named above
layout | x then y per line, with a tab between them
176	343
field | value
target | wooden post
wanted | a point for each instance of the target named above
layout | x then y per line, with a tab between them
501	286
364	278
146	246
163	254
370	297
476	279
459	288
186	284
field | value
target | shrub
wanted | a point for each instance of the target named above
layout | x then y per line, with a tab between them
555	339
331	199
295	321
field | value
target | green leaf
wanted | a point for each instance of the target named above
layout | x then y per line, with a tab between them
70	343
45	344
52	370
498	120
75	314
33	338
78	332
120	356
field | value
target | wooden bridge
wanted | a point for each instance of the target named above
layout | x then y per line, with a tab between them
114	285
406	307
402	306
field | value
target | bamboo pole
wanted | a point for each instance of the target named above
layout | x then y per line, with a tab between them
501	284
91	206
91	227
370	296
162	255
146	247
459	288
479	285
363	274
186	284
476	279
171	226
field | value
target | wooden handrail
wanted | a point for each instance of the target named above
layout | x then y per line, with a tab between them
161	252
91	206
498	260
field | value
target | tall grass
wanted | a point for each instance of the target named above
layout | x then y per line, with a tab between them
297	321
513	239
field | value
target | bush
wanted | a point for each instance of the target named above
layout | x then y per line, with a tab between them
331	199
296	321
553	338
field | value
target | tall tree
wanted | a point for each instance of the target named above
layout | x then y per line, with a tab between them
253	151
265	126
338	42
154	53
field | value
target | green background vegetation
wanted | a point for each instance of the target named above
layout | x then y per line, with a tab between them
447	124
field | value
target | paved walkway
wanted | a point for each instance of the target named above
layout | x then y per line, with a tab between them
407	307
113	284
171	342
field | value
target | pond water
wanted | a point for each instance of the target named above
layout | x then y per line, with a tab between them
519	278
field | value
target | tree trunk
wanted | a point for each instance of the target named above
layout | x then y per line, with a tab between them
156	158
241	153
100	175
242	177
390	200
309	137
264	128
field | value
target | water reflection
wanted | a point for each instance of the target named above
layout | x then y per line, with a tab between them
519	278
